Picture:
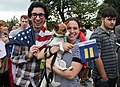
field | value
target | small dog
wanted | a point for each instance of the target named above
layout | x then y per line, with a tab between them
60	33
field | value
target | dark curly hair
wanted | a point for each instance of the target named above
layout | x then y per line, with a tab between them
109	12
37	4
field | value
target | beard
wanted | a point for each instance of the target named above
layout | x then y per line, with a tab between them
109	27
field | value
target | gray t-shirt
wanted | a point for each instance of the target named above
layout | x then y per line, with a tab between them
14	32
68	58
106	44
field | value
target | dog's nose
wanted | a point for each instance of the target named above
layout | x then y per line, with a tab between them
67	33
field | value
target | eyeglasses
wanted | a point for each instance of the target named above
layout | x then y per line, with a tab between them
41	15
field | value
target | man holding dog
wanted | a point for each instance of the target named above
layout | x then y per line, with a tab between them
24	49
28	67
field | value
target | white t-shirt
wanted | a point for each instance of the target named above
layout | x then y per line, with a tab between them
2	49
89	33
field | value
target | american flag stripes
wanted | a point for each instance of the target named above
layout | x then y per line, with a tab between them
27	37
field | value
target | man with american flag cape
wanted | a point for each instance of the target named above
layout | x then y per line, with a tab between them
23	47
22	50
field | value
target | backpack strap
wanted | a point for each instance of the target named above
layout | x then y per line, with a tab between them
43	66
49	77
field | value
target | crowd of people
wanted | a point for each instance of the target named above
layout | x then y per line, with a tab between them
23	48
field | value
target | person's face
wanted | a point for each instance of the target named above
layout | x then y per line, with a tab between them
38	17
2	29
108	22
14	27
17	25
73	29
24	23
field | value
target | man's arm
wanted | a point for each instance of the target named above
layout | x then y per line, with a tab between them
100	68
98	61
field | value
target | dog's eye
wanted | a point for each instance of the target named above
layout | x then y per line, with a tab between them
64	30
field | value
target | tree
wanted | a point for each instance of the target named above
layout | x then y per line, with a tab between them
86	10
102	6
60	10
12	22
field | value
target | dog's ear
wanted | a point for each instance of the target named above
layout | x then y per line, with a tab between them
56	27
65	23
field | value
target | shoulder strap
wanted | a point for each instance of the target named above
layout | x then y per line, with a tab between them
43	66
53	60
49	77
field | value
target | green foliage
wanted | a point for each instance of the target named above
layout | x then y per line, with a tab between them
58	8
84	10
12	22
102	6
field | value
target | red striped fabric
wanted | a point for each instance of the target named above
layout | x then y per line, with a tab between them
43	38
39	38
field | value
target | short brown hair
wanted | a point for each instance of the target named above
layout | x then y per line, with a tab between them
24	16
3	23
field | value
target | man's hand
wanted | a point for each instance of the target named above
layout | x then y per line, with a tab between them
33	51
105	79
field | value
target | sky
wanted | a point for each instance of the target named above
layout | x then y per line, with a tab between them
10	8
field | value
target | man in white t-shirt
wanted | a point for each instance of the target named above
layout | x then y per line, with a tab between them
88	32
24	24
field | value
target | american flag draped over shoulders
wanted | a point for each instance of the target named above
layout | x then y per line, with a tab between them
43	38
27	38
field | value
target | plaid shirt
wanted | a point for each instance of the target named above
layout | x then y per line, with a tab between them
27	70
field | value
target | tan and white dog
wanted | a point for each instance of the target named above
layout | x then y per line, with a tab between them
60	33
